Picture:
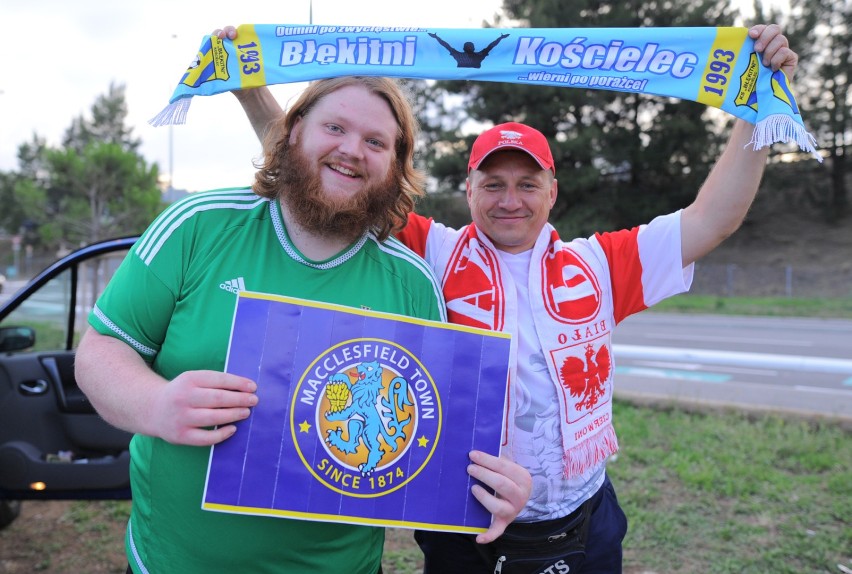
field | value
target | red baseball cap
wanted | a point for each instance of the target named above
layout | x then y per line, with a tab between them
511	135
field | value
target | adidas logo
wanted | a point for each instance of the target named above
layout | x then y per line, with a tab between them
233	285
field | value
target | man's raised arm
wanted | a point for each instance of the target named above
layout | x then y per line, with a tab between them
259	104
729	190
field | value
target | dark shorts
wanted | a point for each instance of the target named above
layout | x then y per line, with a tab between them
449	553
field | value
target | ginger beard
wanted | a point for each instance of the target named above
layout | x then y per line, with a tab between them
318	213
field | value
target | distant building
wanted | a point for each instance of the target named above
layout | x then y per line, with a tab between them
171	195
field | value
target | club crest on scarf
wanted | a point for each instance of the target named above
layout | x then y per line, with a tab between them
374	424
585	376
747	94
584	371
211	63
572	293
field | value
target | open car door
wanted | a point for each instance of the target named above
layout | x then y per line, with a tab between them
52	443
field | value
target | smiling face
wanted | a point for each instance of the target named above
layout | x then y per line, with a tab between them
305	199
348	136
343	140
510	197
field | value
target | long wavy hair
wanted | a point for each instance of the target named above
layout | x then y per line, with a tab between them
411	181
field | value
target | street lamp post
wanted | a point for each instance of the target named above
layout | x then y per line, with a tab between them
171	150
171	157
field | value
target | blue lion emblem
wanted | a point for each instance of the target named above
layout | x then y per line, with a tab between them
370	415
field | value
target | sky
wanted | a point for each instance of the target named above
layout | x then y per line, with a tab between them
61	55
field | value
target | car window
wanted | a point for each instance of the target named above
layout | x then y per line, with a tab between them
48	311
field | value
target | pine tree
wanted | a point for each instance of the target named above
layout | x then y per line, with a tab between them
95	186
822	89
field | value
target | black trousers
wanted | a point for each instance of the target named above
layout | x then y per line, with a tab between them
450	553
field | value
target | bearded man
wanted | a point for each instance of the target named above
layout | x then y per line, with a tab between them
337	179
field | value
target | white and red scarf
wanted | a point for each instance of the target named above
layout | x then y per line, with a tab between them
578	292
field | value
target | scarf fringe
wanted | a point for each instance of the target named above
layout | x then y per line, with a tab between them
783	128
587	454
172	114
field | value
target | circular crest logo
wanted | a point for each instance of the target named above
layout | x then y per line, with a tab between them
366	417
571	292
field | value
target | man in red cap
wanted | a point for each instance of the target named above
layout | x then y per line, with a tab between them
510	271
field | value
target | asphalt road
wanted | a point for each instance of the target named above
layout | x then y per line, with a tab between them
765	363
9	289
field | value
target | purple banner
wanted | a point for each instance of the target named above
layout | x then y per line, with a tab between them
363	417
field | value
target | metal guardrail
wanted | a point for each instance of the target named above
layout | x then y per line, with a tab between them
735	358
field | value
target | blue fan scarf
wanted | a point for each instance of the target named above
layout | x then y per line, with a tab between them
717	67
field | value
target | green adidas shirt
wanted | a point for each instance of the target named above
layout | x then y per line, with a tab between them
173	300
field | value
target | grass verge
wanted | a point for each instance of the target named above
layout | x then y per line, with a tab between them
721	492
732	493
840	308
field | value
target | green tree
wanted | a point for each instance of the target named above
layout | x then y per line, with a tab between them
819	31
94	186
621	157
22	193
822	89
106	125
99	191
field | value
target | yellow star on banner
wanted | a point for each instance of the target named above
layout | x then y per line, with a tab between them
422	441
304	427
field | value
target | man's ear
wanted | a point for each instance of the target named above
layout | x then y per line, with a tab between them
554	189
469	190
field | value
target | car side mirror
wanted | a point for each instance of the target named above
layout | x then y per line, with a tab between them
16	338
